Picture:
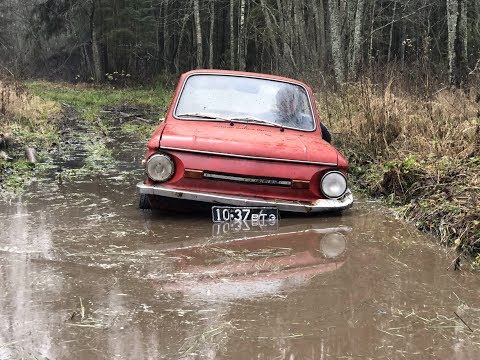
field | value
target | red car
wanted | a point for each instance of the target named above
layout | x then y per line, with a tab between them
245	141
260	265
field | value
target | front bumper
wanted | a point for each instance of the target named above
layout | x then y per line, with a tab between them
321	205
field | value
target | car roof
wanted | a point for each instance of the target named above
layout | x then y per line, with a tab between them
243	73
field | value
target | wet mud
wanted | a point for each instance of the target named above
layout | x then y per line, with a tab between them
85	274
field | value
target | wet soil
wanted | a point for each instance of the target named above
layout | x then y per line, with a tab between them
85	274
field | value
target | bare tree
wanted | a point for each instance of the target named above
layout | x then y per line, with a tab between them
232	36
457	43
357	39
338	51
181	36
210	38
198	32
241	38
273	41
97	59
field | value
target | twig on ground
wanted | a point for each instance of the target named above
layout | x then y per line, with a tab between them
469	328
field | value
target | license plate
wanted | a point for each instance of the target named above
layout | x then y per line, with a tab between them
243	227
254	214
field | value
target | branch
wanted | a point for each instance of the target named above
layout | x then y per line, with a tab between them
400	18
8	70
477	65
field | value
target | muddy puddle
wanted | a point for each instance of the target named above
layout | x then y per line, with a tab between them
84	274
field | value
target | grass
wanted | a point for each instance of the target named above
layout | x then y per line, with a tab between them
98	159
90	99
39	114
28	118
139	130
421	154
26	121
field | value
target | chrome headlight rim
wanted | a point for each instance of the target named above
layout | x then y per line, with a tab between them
330	173
162	156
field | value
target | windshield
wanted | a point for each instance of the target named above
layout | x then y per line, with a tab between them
245	99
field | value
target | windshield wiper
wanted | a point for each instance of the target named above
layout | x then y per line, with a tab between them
205	116
244	119
249	119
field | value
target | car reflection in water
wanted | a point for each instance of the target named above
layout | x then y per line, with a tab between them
256	266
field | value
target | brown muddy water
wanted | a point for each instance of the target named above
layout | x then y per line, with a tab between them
84	274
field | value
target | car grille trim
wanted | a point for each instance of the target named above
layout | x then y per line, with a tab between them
248	156
247	179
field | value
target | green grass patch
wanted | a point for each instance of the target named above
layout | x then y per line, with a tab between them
91	99
99	159
139	130
14	176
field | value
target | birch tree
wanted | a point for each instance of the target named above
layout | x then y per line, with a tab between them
241	38
338	52
357	39
198	32
232	35
210	38
181	36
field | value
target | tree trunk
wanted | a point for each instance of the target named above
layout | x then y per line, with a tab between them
180	41
403	44
232	37
96	56
212	28
457	43
390	38
302	49
271	34
463	32
452	15
338	52
89	70
158	24
241	38
357	39
319	14
198	32
166	39
372	24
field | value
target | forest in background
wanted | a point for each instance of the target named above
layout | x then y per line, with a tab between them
128	41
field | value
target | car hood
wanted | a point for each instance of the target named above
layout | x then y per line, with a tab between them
248	140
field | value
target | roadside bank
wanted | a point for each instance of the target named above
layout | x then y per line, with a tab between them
421	155
72	123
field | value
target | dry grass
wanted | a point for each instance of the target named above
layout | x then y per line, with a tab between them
421	153
23	116
387	122
16	102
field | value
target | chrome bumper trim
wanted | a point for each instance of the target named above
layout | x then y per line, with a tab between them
321	205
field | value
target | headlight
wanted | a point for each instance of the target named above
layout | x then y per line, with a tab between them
160	167
333	184
333	245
